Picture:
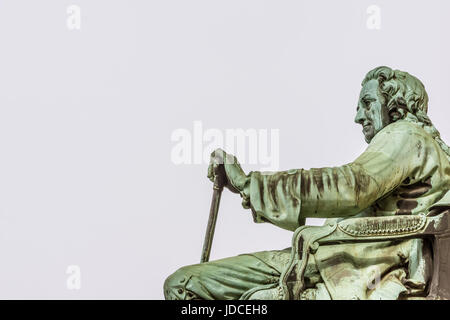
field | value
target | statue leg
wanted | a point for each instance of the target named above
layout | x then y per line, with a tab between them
226	279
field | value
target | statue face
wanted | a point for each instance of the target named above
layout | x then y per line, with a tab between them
371	112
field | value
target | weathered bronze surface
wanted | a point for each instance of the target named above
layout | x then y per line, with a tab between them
219	182
387	235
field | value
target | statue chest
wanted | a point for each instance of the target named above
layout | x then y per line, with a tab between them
409	199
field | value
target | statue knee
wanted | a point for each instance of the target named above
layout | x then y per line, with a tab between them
175	285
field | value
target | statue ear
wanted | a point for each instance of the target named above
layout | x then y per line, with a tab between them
397	109
396	114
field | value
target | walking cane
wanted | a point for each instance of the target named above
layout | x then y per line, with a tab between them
219	182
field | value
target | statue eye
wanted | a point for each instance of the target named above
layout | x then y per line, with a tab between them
368	103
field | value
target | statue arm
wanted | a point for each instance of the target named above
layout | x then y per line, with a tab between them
285	198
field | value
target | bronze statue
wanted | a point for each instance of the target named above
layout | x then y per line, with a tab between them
387	235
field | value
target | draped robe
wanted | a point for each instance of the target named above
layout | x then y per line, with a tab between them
403	171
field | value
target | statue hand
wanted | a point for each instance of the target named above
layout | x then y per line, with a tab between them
227	164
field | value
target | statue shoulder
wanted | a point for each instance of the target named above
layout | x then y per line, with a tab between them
405	126
406	129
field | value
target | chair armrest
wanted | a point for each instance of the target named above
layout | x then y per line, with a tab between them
436	228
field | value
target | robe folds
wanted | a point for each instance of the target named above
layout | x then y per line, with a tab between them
403	171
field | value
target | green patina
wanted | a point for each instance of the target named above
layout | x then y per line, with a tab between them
404	172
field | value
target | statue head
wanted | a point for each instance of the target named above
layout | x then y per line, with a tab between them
390	95
387	96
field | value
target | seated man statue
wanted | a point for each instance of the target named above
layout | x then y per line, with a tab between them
403	174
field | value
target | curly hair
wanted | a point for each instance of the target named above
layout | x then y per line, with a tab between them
405	98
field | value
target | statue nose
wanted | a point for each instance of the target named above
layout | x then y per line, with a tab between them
360	116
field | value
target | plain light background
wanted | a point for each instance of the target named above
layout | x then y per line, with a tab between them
86	118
